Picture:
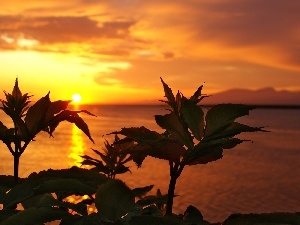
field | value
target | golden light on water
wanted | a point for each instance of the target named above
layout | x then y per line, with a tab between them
76	148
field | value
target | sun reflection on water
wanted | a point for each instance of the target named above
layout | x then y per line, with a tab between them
76	148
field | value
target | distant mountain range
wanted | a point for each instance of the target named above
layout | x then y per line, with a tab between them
264	97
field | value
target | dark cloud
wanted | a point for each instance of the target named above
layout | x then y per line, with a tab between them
50	30
250	22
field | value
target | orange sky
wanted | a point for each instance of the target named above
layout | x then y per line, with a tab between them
115	51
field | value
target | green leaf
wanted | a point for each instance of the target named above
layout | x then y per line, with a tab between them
35	116
194	117
220	117
171	123
113	200
36	216
169	95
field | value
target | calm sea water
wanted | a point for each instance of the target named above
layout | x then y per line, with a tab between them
262	176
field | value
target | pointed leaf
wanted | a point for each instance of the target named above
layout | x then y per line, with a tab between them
171	123
139	192
72	117
3	130
56	107
169	95
194	117
219	117
113	200
234	129
212	150
35	116
16	93
196	95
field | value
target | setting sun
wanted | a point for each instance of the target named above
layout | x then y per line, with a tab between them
76	98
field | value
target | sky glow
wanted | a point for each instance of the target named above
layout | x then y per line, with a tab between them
116	51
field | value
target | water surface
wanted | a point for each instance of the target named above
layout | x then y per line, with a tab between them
259	176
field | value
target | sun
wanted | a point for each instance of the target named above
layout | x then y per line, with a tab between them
76	98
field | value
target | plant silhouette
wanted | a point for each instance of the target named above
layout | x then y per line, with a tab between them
190	136
113	158
28	121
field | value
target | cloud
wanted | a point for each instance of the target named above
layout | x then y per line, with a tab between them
264	32
64	29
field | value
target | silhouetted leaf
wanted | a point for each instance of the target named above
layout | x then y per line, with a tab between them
88	177
193	216
208	151
220	117
16	93
139	192
35	115
54	108
232	130
62	184
3	130
153	199
194	117
36	216
171	123
113	200
120	169
151	220
169	94
195	97
50	201
72	117
18	194
6	213
140	134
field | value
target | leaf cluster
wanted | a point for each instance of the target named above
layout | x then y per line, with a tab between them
43	115
190	137
113	158
45	198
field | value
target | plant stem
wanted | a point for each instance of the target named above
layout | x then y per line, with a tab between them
16	168
171	193
175	171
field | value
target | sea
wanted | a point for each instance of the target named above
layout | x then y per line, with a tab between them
257	176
